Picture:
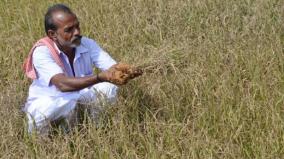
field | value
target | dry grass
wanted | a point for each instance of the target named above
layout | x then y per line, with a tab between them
213	86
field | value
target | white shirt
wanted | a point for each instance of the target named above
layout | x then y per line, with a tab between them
87	55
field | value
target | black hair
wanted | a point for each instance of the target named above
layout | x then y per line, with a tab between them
48	20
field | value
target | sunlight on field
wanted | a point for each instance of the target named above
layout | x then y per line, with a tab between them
213	84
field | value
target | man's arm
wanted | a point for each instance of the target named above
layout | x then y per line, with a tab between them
118	74
67	84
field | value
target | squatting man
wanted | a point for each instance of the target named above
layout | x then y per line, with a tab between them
61	68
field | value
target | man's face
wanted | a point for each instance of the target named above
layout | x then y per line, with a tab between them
67	34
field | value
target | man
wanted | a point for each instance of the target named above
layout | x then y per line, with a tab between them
61	66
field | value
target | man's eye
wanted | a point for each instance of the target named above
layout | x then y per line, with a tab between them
68	30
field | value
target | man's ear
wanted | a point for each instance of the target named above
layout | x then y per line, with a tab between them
52	35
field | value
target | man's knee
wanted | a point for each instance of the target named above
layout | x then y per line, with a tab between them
106	89
45	110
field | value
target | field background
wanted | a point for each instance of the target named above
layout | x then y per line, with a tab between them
213	85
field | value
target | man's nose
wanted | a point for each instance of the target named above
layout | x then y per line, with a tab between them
77	31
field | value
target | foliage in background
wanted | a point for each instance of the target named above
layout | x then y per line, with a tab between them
213	84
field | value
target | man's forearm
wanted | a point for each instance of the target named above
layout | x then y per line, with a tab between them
68	84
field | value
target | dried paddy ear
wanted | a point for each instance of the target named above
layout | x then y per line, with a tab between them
120	77
130	70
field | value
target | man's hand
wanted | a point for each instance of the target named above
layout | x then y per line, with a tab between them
120	74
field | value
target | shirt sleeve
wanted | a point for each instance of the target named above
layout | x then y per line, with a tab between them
45	65
100	58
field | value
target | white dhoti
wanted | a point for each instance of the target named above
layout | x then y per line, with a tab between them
46	109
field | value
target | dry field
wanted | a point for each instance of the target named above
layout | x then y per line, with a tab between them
213	85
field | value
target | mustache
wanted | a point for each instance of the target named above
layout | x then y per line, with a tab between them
77	37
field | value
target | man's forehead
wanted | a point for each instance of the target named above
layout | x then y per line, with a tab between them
62	18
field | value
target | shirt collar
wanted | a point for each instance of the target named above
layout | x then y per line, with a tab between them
81	48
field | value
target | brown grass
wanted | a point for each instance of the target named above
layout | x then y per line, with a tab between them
213	86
